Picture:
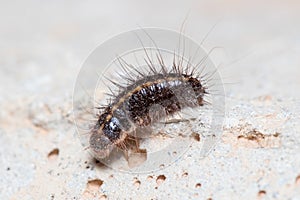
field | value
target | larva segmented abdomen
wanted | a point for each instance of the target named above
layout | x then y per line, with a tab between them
131	108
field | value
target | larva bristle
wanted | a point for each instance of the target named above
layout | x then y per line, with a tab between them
173	87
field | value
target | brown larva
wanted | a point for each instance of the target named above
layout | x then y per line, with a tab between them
144	95
132	105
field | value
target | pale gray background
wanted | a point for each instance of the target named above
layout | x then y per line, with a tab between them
42	46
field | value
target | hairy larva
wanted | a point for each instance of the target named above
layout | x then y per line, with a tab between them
132	105
145	82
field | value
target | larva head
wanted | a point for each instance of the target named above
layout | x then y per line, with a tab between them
100	145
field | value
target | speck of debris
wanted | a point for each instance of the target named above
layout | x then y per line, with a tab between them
196	137
185	174
262	193
161	166
103	197
257	136
136	182
94	184
252	135
149	178
276	134
160	179
53	154
297	180
111	176
92	189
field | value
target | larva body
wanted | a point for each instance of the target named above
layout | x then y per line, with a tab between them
155	88
172	91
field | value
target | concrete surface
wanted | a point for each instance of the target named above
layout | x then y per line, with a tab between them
43	45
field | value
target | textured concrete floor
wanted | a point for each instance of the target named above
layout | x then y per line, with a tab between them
43	46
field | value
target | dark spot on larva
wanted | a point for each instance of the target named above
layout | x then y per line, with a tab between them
198	185
7	169
53	154
160	179
262	193
196	136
